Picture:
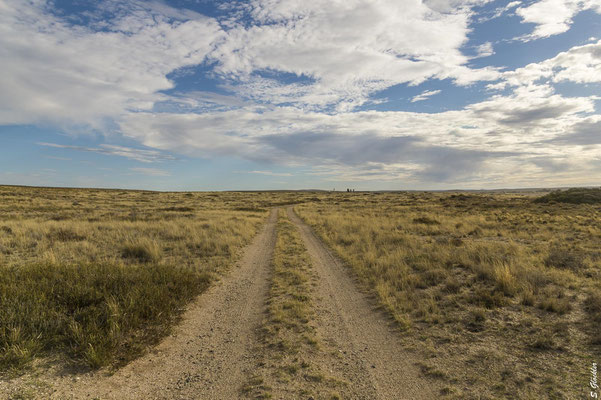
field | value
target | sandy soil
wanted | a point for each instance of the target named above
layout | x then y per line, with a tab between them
211	354
364	348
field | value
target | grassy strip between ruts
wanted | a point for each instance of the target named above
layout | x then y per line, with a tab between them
288	336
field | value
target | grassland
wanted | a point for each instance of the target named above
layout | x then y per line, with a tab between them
499	295
90	278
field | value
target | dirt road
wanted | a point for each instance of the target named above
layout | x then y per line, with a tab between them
213	351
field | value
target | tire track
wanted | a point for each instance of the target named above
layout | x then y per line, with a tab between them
370	355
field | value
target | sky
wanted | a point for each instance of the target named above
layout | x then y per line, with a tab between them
297	94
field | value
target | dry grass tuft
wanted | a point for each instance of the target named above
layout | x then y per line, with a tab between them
143	250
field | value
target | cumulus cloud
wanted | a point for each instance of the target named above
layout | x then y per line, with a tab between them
484	50
337	53
533	106
553	17
56	72
295	73
347	50
580	64
585	133
500	134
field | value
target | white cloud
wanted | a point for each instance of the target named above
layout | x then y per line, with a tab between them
336	55
580	64
498	12
553	17
450	146
346	50
424	95
57	72
70	75
484	50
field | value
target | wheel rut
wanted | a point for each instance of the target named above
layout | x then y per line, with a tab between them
369	355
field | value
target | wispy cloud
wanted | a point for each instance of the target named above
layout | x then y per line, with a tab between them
268	173
142	155
424	95
58	158
150	171
484	50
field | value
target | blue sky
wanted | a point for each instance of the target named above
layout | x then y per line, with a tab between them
291	94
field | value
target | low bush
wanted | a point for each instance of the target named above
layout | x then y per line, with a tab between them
425	221
564	258
65	235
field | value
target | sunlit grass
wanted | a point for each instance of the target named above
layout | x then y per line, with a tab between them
467	275
95	276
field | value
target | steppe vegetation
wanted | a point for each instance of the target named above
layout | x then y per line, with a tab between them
498	294
92	277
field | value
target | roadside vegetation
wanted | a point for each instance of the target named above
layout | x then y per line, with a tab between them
90	278
289	341
498	294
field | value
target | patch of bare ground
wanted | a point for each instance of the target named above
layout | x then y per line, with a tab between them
359	344
207	356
